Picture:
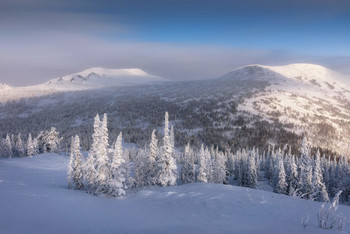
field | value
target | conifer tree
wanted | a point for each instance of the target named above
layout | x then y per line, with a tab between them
292	178
19	146
7	148
102	160
78	165
305	169
30	148
281	186
167	169
319	191
202	171
90	163
116	183
188	170
70	171
153	157
252	177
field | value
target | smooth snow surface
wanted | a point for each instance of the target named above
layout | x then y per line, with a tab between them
34	199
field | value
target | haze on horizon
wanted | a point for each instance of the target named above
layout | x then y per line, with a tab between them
183	39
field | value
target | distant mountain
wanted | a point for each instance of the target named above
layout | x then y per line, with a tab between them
4	86
93	78
98	77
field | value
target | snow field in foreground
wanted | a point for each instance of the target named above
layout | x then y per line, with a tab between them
34	199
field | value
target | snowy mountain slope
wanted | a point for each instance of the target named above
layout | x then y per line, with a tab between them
312	98
34	199
254	105
93	78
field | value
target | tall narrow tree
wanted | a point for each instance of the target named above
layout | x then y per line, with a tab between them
167	169
102	160
116	183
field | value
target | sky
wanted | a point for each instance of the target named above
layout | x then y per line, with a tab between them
175	39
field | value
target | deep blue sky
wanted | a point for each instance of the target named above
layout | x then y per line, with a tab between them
182	39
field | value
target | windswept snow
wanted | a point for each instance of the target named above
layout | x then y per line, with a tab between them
34	199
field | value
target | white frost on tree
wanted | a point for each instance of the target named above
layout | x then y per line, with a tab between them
281	185
102	160
319	191
75	170
116	183
167	169
188	170
90	163
202	170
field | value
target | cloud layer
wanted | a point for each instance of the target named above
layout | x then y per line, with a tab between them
175	39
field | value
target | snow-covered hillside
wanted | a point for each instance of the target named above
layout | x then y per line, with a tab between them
255	105
312	98
34	199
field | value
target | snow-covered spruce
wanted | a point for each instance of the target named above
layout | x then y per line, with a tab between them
312	177
75	170
166	165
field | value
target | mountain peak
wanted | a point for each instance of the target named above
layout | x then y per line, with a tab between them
299	72
97	77
5	86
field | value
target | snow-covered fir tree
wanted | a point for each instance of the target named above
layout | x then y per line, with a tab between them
7	150
202	170
75	170
188	170
319	191
292	177
70	171
167	169
32	146
219	167
19	147
305	169
90	163
153	157
281	185
116	183
252	176
102	160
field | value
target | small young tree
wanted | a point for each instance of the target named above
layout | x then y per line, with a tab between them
328	218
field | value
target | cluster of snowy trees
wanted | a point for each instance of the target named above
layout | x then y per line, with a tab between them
112	171
17	146
108	172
